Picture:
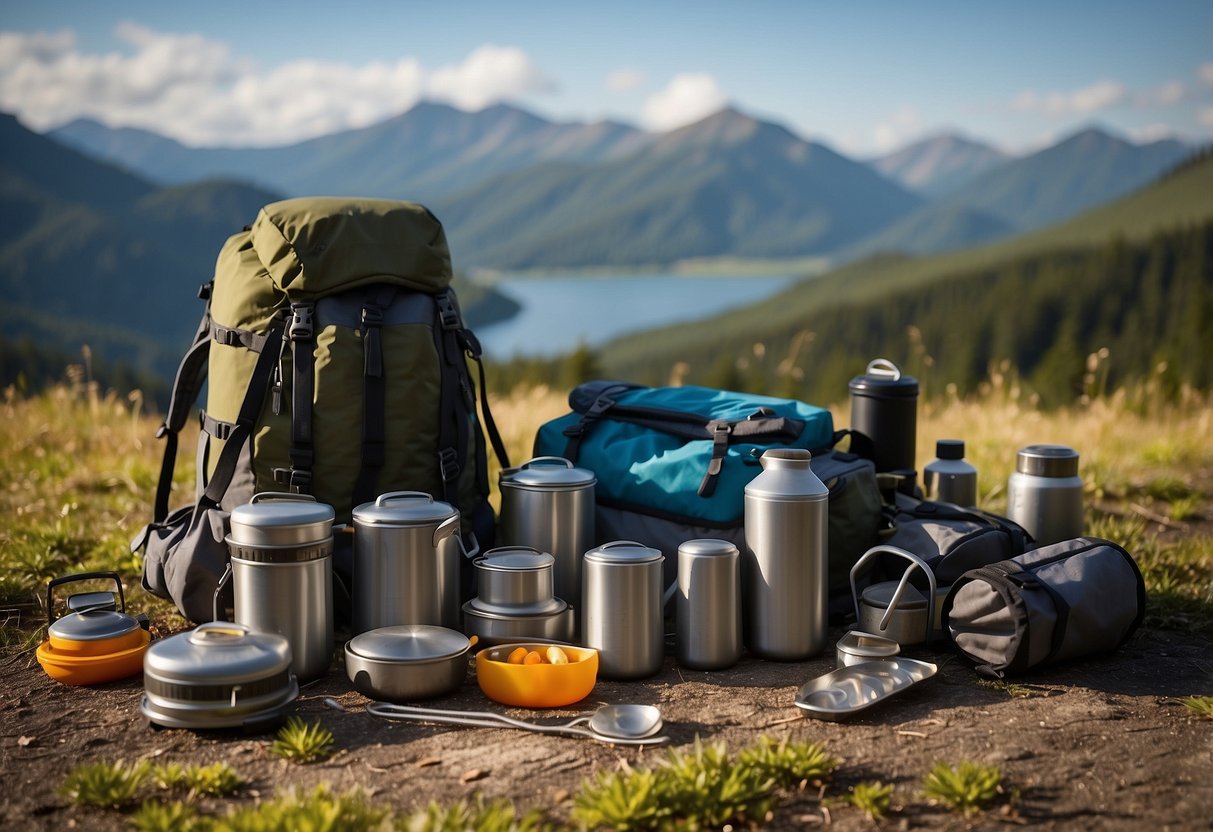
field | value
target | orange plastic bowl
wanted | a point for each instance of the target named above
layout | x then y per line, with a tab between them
536	685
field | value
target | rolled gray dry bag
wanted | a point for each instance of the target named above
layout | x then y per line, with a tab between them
1073	599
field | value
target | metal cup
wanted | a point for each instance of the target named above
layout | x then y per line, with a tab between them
708	605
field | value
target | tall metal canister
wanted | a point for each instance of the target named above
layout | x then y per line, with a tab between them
547	503
785	568
884	410
708	605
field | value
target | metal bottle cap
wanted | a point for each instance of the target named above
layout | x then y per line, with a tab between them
1047	461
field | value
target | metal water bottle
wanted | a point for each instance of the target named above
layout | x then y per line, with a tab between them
950	478
708	604
1044	494
785	565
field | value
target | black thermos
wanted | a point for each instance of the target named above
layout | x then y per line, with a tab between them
884	410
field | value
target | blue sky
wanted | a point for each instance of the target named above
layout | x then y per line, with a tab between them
865	78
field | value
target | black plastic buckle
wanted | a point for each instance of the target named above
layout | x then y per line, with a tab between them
448	464
296	480
447	313
372	316
162	431
301	321
204	291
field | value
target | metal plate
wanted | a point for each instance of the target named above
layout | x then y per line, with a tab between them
846	691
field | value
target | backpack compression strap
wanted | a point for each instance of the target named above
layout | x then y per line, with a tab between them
301	334
374	394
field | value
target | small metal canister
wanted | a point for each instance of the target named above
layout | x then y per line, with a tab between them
1044	494
281	548
884	409
622	609
708	605
548	504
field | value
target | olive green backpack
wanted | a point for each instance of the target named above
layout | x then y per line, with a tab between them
336	361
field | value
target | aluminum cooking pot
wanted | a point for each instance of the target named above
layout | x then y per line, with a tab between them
218	675
407	662
896	609
408	559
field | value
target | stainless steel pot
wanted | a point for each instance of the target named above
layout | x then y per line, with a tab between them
515	579
218	675
281	548
407	560
493	627
548	503
897	610
407	662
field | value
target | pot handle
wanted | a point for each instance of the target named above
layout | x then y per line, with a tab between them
402	495
474	552
621	543
281	496
884	368
82	576
217	611
445	529
552	459
915	563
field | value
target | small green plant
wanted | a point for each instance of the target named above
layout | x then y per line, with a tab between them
873	798
215	780
696	788
789	763
167	776
1011	689
154	816
301	742
495	816
1200	705
107	785
967	788
318	810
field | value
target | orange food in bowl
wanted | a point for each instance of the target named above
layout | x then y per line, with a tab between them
537	685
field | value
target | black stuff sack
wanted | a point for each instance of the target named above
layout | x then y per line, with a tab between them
1067	601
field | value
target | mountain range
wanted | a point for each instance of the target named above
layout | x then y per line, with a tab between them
518	191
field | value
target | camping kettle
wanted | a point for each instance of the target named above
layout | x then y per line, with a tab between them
96	641
897	610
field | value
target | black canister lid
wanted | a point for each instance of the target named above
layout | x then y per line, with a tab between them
1047	461
883	379
950	449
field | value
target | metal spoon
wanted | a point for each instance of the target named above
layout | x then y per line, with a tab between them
621	724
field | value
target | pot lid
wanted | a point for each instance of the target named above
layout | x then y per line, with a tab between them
218	653
93	625
884	378
879	595
624	552
515	559
404	508
707	547
279	519
548	472
409	643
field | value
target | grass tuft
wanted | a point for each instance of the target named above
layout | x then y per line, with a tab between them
873	799
1202	706
301	742
478	815
967	788
105	785
788	762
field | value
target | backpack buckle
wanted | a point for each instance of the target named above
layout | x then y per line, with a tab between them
301	321
372	316
447	313
448	464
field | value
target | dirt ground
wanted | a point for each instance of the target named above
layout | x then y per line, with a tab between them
1102	744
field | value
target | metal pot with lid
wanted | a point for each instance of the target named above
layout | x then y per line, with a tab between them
96	641
408	560
407	662
515	600
281	548
622	614
218	675
898	610
548	503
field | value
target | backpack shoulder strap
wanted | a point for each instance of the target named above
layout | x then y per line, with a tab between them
186	386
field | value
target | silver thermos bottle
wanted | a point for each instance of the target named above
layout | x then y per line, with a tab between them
1044	494
785	563
949	478
708	605
621	609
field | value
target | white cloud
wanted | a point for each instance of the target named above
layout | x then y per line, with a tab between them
1205	73
196	90
1151	133
489	74
623	80
1083	101
688	97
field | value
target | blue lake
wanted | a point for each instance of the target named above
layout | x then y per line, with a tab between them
560	312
